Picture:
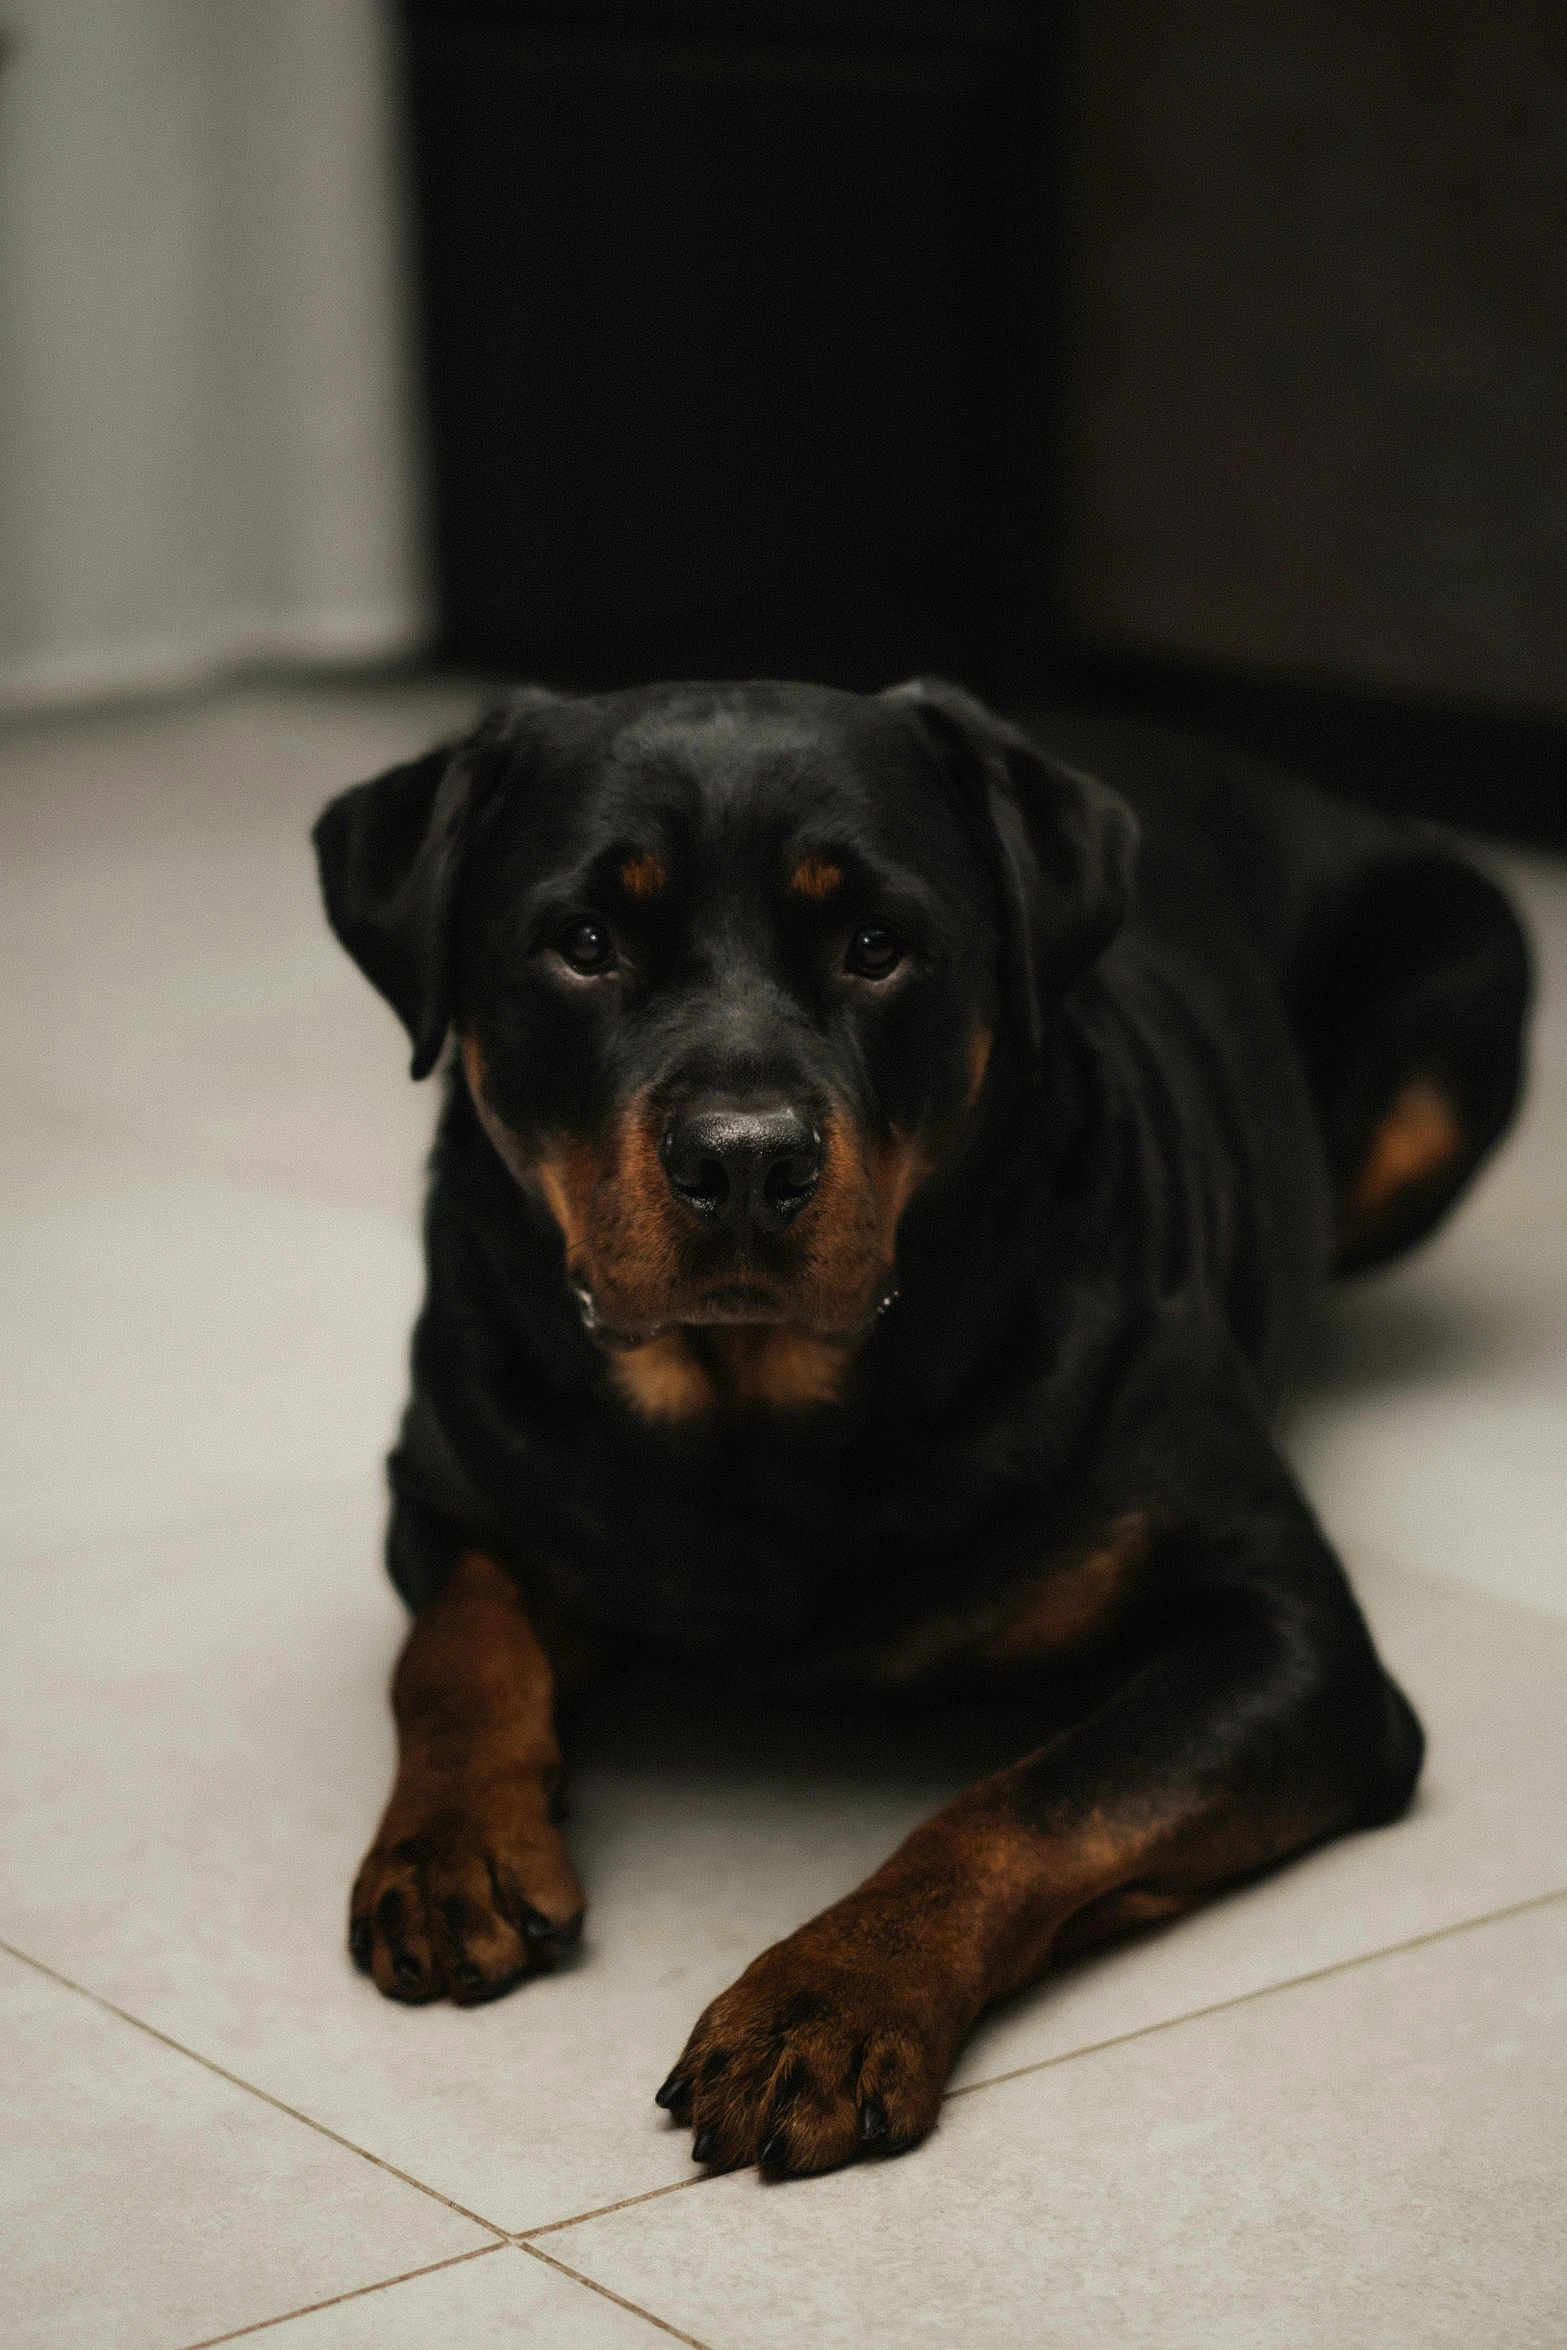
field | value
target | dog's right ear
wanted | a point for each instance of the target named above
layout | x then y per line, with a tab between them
390	854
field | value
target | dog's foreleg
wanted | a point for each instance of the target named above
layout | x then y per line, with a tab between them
1256	1721
468	1885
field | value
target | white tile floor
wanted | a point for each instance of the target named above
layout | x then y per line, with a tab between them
1324	2112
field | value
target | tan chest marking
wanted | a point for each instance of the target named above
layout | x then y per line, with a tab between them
780	1370
684	1373
1073	1605
663	1380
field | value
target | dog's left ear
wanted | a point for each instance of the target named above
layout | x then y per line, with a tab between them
1061	848
390	854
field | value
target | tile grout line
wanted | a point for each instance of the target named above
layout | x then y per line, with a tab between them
237	2081
523	2238
604	2292
357	2293
627	2202
1339	1966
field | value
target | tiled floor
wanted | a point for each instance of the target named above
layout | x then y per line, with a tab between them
1324	2112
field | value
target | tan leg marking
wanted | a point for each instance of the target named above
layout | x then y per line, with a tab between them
842	2036
1073	1605
468	1884
1419	1134
1063	1608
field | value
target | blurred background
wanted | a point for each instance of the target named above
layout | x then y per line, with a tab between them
1206	358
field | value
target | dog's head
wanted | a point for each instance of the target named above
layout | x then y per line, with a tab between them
726	965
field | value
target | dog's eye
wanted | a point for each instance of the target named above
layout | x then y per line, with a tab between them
586	947
874	952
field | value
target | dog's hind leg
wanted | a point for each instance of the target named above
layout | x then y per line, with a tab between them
1409	991
468	1885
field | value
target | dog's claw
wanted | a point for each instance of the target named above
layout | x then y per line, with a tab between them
703	2146
673	2092
873	2121
550	1937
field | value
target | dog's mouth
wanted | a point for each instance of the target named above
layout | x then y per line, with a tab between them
730	1305
737	1300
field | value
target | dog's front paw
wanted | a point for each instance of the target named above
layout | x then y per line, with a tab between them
833	2044
465	1899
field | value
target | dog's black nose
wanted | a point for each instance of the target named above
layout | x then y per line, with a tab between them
753	1168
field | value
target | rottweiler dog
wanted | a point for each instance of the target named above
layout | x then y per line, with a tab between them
888	1163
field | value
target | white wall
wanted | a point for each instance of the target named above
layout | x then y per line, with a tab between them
205	444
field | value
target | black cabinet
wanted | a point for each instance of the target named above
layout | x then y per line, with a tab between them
735	329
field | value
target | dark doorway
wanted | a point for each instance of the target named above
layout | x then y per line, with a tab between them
735	333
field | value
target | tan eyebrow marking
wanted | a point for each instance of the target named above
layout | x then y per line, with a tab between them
814	877
642	876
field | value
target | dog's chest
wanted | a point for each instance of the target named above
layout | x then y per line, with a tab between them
851	1570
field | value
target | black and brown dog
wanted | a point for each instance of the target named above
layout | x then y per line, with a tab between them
875	1209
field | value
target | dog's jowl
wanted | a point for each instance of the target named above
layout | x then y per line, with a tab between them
887	1166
